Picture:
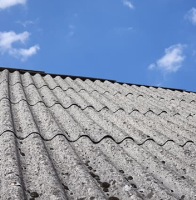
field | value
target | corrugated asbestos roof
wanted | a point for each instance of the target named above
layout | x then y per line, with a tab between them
83	139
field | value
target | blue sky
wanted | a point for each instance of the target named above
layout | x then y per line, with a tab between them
150	42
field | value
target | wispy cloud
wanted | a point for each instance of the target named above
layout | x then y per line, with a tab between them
194	53
75	15
72	29
129	4
8	3
122	31
25	23
191	15
171	61
6	45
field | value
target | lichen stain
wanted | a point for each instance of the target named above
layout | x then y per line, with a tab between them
34	194
150	195
113	198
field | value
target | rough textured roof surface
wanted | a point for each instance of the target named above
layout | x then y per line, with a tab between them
82	139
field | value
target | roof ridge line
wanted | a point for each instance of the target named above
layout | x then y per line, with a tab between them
43	73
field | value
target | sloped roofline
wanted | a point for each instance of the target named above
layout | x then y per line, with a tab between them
43	73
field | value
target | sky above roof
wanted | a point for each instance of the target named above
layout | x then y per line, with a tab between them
150	42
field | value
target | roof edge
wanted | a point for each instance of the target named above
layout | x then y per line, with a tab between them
22	70
43	73
167	88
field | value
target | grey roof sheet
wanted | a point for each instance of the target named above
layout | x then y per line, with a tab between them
84	139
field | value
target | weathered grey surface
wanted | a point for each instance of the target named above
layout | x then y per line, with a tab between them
84	140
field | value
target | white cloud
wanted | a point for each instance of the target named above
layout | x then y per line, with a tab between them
151	66
6	45
128	3
8	3
191	15
7	38
171	61
29	52
24	53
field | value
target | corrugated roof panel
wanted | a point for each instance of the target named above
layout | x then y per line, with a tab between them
75	138
100	170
